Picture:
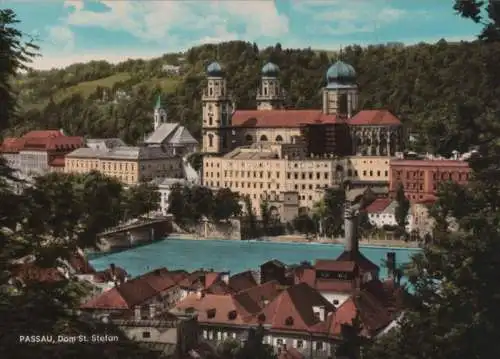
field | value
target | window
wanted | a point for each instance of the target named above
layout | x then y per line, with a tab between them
248	139
279	138
263	138
319	345
210	140
279	341
146	335
289	321
300	344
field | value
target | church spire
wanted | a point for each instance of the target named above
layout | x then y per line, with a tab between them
160	114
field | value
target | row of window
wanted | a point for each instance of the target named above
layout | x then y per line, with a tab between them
444	176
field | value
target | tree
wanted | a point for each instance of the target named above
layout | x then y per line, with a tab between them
226	204
16	55
250	219
196	161
141	199
402	207
334	201
475	9
177	204
265	215
304	224
352	341
71	209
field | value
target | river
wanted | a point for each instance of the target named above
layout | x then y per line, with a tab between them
233	256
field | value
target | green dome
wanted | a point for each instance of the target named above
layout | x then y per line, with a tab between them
270	69
340	72
214	69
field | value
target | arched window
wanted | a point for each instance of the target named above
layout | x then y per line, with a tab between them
263	138
210	120
248	139
279	138
210	140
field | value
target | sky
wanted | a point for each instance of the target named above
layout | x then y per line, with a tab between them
115	30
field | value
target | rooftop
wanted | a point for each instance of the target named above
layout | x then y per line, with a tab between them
121	152
280	118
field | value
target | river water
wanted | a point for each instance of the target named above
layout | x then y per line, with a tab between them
233	256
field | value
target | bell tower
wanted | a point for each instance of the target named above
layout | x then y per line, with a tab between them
217	112
270	95
340	96
160	114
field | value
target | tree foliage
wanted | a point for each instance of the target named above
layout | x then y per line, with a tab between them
402	207
486	13
190	204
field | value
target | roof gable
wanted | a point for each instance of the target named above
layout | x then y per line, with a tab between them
280	118
162	133
374	118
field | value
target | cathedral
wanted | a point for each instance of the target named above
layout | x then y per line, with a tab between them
339	128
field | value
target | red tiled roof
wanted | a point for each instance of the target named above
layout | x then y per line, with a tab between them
364	264
280	118
219	287
334	265
134	292
378	205
293	310
43	134
374	118
42	141
261	294
242	281
218	308
32	273
372	314
12	145
57	162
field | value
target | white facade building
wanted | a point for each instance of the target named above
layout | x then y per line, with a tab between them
382	212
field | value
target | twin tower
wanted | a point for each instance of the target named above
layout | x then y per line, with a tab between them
340	97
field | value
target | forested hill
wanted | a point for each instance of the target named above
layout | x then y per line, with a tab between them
447	91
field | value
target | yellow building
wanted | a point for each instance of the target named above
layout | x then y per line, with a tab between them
130	165
286	177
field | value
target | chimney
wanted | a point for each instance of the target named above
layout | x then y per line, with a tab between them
391	264
152	310
112	271
351	244
225	277
320	312
137	312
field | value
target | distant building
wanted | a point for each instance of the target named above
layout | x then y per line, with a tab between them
165	186
39	152
170	135
382	212
131	165
104	143
287	178
171	69
421	178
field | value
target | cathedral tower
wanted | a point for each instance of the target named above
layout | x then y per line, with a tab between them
217	112
340	96
270	95
160	114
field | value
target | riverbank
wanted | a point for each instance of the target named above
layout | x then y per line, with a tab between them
302	239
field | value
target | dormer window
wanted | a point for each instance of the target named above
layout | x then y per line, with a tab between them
289	321
232	315
211	313
261	318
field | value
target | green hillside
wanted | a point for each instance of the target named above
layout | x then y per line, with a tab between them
447	91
